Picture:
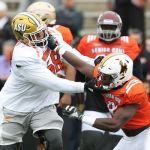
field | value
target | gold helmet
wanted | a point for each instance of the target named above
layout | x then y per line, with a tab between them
44	10
30	29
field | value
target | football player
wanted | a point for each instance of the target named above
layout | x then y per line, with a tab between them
126	99
108	40
47	13
115	35
29	95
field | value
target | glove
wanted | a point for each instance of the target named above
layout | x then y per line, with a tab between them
52	43
57	43
98	59
72	112
56	34
92	86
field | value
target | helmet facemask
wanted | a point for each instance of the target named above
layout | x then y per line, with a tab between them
109	26
114	70
108	32
106	81
38	38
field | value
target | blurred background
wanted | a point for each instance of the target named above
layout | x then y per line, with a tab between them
91	10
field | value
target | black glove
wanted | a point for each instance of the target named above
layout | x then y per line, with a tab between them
72	112
98	59
91	86
52	42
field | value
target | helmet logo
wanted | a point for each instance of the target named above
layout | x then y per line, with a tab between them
20	27
123	67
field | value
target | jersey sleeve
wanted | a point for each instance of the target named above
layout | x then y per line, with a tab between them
38	74
82	45
66	33
136	94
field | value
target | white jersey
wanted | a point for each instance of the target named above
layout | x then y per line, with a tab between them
31	86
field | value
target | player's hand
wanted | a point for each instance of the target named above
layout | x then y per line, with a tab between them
56	34
90	85
65	101
98	59
93	86
62	46
72	112
52	43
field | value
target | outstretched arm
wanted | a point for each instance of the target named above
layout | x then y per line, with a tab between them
120	118
39	75
82	63
78	63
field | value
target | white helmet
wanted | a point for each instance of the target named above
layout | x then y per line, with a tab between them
44	10
114	70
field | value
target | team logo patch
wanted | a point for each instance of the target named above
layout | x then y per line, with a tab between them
20	27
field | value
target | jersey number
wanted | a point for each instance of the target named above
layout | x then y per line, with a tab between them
57	64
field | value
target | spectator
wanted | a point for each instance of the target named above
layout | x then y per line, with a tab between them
136	34
132	14
69	16
146	59
5	61
5	25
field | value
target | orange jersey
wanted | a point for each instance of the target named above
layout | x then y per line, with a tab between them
55	63
66	33
133	92
91	46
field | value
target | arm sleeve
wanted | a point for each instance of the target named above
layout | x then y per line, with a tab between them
78	54
40	75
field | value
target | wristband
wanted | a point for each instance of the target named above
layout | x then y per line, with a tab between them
88	120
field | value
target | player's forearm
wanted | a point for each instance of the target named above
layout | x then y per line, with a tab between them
79	64
70	72
82	63
106	124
